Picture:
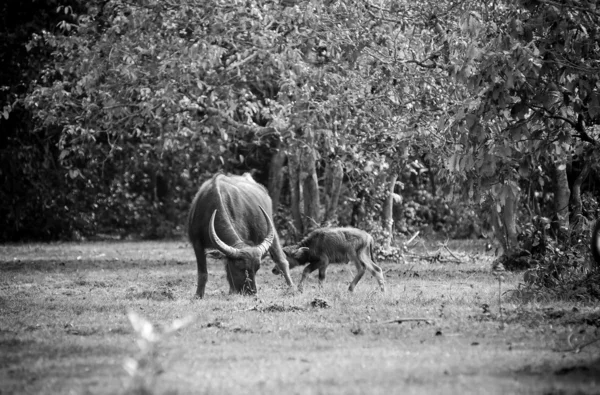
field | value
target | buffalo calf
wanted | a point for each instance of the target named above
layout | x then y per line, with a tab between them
334	245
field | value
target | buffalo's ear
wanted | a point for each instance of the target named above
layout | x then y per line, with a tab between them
215	254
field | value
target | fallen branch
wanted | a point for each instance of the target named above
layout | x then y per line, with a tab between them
451	253
433	258
411	239
242	61
409	319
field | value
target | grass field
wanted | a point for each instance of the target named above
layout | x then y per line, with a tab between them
64	328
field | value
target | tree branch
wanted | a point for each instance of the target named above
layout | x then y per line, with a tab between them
262	130
579	126
572	6
408	319
242	61
422	64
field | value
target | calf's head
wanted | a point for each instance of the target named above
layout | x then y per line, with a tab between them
295	255
242	261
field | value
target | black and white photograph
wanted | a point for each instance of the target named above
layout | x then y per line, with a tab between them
299	197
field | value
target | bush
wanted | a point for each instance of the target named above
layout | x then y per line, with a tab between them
430	215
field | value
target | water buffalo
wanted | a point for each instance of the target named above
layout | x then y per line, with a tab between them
233	215
334	245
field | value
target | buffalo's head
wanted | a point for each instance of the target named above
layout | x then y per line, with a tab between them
242	261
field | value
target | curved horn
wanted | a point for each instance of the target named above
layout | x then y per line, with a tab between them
226	249
266	243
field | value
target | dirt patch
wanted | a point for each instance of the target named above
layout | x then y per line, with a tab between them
81	330
319	303
276	308
157	295
218	324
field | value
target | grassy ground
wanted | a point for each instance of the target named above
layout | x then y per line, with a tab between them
64	328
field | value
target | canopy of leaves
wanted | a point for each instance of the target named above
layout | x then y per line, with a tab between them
531	71
139	101
142	100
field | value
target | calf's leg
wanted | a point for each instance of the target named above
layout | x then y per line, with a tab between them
361	271
375	271
365	257
306	272
323	263
363	263
322	273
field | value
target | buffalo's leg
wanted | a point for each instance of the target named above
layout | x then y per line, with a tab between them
279	257
202	269
230	280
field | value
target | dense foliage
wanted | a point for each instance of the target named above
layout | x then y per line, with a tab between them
467	118
527	140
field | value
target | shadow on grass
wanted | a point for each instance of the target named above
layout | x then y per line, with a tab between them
567	375
88	265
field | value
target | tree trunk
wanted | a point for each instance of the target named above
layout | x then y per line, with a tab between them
504	223
358	209
561	200
576	203
333	187
388	210
276	177
497	227
432	182
310	187
509	212
295	192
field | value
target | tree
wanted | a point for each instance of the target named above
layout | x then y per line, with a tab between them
531	72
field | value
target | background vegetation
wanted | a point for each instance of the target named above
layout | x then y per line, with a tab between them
457	118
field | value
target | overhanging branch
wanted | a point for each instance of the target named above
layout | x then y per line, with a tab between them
579	126
261	130
240	126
